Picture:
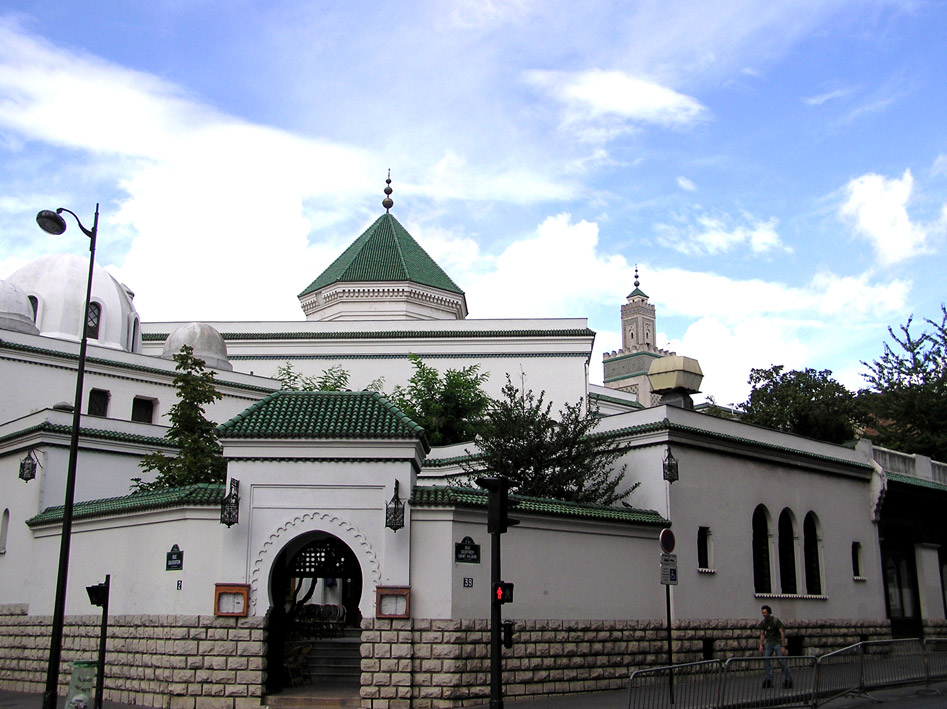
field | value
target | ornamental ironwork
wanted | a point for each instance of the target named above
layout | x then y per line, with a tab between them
394	511
230	506
28	467
670	467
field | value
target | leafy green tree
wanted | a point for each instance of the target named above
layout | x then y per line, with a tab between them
545	457
907	400
807	402
200	457
449	407
335	378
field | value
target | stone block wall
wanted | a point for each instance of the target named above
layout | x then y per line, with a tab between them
441	664
169	661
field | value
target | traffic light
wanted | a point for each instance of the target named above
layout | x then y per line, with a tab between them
507	626
498	504
503	592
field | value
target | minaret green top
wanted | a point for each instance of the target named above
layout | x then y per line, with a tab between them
385	252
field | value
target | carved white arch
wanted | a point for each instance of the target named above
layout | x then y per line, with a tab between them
316	522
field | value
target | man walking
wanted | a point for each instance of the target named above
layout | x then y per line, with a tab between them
773	642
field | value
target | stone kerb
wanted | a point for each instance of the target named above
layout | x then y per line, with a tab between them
173	661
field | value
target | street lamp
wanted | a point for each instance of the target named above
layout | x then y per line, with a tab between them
53	223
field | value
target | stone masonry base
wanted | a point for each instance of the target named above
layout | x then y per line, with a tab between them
204	662
169	661
441	664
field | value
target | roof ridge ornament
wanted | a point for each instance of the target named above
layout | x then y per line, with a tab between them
636	276
387	202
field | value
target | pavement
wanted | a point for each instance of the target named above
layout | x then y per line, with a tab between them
907	697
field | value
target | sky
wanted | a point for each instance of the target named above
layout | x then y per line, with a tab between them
775	169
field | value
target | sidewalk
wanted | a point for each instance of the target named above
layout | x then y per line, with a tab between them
908	696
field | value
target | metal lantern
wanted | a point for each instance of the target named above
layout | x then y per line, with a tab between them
230	506
394	511
670	466
28	467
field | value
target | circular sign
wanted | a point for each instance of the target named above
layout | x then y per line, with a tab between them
666	539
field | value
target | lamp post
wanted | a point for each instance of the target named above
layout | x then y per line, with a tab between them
53	223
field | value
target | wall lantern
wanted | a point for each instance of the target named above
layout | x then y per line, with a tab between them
394	511
28	467
670	466
230	505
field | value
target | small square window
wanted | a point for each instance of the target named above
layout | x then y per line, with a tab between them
143	410
99	402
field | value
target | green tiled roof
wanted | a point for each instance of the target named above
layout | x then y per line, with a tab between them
917	482
322	414
385	252
477	498
637	291
87	433
199	495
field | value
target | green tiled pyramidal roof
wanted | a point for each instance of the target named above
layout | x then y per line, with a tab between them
198	495
437	496
385	252
322	414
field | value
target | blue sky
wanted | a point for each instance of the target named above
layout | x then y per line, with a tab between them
777	170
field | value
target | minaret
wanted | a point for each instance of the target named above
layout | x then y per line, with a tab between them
627	369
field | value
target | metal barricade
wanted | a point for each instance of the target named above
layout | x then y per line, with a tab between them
891	662
936	651
695	685
746	683
839	673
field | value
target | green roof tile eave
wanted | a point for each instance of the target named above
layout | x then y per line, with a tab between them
438	496
198	495
917	482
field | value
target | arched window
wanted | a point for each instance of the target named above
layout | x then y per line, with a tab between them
787	552
34	304
761	577
4	526
857	559
93	319
810	551
704	549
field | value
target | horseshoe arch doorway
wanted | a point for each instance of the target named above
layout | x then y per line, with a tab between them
315	589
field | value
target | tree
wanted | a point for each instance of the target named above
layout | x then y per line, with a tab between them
200	457
449	407
335	378
562	459
807	402
908	390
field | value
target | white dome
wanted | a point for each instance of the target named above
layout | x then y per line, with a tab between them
206	342
58	282
16	311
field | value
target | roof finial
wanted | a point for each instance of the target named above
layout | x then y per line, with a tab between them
387	202
636	276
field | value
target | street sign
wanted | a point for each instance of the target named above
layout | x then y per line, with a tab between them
669	569
666	540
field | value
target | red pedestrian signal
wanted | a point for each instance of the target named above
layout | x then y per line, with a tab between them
503	592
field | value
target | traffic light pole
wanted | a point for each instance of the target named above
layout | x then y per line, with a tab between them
496	618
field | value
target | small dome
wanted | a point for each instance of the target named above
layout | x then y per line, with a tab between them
16	311
58	282
206	342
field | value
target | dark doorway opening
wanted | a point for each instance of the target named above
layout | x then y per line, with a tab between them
316	586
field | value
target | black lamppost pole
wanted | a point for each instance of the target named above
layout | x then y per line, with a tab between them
53	223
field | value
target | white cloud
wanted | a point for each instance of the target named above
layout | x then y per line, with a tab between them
940	165
605	102
819	99
877	208
685	184
712	235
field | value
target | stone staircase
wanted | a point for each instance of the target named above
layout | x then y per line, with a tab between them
335	671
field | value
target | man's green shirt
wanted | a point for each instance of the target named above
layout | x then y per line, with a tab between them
771	627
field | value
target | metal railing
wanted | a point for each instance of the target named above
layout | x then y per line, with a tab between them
801	682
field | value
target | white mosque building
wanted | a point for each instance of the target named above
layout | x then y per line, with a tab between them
828	535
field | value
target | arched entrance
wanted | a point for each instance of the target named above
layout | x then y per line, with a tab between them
315	587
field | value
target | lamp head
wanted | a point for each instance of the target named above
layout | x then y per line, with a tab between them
51	222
